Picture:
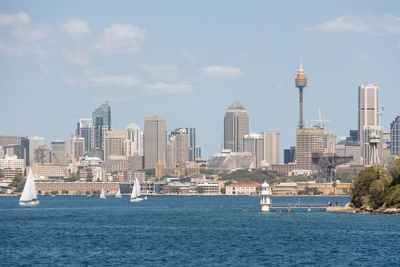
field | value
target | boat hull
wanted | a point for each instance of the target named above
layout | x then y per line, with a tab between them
29	203
136	199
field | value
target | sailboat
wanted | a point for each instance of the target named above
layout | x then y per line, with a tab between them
29	195
102	195
136	194
118	194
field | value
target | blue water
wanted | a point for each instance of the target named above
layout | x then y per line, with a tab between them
190	231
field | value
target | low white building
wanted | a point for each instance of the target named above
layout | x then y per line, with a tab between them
242	188
12	162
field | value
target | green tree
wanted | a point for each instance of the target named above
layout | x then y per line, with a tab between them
19	183
361	186
395	172
54	192
199	190
223	190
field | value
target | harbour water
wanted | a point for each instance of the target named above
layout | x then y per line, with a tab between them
190	231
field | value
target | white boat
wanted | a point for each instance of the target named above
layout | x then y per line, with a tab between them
29	195
118	194
136	192
102	195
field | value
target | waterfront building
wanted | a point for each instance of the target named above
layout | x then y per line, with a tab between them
101	119
271	147
79	188
133	140
85	130
155	141
41	155
76	147
395	136
35	142
114	144
236	126
59	153
11	173
242	189
254	143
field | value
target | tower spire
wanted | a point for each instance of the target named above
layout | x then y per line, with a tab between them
301	63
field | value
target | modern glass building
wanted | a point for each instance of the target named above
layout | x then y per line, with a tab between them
101	119
395	136
236	126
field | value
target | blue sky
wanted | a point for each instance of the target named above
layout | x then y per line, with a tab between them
187	61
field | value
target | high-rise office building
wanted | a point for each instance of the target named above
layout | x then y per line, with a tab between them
368	119
76	147
395	136
198	151
236	126
58	152
155	141
101	119
308	141
134	140
41	155
25	149
85	130
35	142
171	152
271	147
114	144
254	143
289	155
192	140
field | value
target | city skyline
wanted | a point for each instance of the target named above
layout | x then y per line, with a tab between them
190	72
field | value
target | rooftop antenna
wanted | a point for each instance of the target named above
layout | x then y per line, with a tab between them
301	63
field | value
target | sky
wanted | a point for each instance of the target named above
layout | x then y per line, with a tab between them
189	60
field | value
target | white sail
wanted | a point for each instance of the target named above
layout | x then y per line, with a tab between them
118	194
138	189
134	192
29	194
102	195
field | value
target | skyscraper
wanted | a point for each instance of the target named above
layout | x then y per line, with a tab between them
236	126
134	140
254	143
85	129
76	147
368	119
58	152
395	136
307	142
101	119
271	147
155	141
192	140
114	144
35	142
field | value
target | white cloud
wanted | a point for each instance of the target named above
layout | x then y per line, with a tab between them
222	72
121	39
78	58
162	88
111	81
166	72
76	28
20	18
112	99
367	24
31	34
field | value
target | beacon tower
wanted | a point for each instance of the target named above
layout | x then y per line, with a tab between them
301	82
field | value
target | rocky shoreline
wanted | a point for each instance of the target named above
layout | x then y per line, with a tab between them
349	209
